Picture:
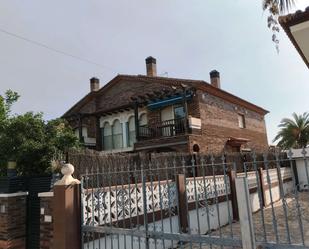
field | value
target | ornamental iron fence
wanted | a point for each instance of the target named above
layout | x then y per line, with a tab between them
182	201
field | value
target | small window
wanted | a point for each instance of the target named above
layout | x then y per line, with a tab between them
179	112
241	121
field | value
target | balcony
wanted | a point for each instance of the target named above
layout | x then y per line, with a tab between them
168	128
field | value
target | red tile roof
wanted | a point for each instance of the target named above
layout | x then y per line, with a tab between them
197	84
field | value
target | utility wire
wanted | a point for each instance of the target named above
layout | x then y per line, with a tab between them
42	45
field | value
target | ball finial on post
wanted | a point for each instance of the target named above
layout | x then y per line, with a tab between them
67	179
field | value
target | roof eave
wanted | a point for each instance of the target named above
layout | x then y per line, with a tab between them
293	19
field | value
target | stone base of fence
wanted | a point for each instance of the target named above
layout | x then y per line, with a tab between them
13	220
14	244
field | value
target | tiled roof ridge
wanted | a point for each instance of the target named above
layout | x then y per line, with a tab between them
292	16
161	78
293	19
198	84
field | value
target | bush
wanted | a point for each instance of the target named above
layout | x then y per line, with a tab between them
30	141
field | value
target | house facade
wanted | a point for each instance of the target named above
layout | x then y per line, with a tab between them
147	113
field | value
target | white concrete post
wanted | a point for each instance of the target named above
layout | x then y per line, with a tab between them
124	135
245	213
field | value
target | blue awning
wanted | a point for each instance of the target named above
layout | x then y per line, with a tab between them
168	101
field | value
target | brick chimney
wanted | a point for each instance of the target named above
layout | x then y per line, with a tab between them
151	66
94	84
215	78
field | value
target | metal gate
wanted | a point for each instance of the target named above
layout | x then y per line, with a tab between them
35	185
179	201
279	199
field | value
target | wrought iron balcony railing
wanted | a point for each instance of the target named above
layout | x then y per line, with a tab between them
168	128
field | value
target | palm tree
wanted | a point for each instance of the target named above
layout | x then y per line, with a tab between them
294	132
276	8
282	6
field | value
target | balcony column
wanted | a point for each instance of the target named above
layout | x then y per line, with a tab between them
136	120
185	108
80	128
125	134
98	134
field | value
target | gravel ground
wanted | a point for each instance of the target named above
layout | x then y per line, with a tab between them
272	235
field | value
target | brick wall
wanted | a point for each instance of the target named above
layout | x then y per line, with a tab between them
116	97
121	95
194	107
46	220
164	144
220	121
219	117
13	221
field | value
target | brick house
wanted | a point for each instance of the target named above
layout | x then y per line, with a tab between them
160	114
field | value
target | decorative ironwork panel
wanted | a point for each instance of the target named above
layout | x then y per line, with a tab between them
207	187
117	203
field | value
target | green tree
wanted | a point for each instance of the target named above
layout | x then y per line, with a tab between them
294	132
6	102
31	141
60	135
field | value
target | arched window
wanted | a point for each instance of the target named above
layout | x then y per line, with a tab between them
107	137
143	119
117	135
131	131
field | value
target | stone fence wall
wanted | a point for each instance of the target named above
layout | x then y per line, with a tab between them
13	220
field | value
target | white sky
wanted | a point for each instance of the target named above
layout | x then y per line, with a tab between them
188	38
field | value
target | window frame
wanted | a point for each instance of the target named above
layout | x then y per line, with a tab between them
241	120
179	106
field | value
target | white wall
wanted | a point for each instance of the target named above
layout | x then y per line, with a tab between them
301	168
170	225
255	202
213	217
302	174
128	241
